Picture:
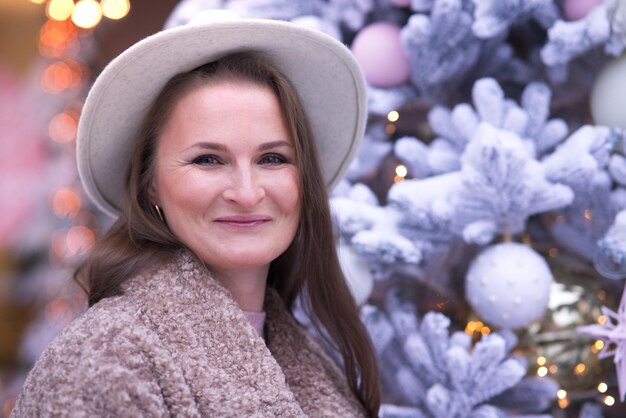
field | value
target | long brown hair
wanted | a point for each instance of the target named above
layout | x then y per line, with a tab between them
308	268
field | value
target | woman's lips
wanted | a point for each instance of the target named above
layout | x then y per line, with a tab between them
243	220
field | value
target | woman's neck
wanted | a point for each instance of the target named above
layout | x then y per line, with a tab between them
246	285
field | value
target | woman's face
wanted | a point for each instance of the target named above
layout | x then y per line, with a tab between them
226	176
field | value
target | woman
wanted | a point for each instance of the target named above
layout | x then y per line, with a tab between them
222	223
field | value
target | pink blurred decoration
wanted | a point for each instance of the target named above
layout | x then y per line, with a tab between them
22	158
400	3
613	333
378	49
577	9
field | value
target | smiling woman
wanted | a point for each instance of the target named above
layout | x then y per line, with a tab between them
223	222
233	201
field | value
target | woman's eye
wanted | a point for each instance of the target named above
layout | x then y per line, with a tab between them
206	160
273	159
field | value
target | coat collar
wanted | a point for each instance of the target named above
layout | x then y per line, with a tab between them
222	358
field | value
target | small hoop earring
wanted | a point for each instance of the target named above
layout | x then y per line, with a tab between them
159	212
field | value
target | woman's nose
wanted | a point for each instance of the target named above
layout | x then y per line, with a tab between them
244	188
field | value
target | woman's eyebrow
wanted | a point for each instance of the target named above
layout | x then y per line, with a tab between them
210	145
215	146
275	144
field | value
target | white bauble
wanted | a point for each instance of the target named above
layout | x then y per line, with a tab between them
358	274
508	285
608	95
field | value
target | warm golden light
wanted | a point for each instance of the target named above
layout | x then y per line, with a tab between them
61	75
60	9
541	361
470	327
55	37
588	216
393	116
62	128
553	368
87	14
602	387
65	203
542	371
79	240
390	129
602	320
398	179
563	403
485	330
580	369
115	9
561	394
401	171
37	1
609	401
598	345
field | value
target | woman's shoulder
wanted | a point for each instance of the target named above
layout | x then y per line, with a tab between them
104	350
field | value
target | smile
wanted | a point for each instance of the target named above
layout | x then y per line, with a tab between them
243	221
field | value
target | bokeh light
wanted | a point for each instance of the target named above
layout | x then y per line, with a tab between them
62	127
115	9
65	203
87	14
60	9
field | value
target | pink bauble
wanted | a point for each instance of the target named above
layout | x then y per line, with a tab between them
400	3
378	49
577	9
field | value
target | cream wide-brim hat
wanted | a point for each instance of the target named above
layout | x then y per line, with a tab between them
323	71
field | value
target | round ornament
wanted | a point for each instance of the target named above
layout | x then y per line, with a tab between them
577	9
358	275
608	95
508	285
378	49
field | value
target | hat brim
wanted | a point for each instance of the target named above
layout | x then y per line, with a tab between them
322	70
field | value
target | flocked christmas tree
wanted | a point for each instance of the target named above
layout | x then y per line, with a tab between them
505	211
483	224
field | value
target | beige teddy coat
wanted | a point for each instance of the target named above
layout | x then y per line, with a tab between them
176	344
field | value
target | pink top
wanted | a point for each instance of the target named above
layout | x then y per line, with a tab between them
257	320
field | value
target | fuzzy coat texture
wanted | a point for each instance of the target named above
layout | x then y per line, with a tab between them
177	344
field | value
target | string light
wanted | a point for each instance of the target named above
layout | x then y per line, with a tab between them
601	319
87	14
553	368
597	346
542	371
541	361
115	9
602	387
401	173
587	214
561	394
62	127
60	9
563	403
65	203
609	401
61	75
79	240
580	369
393	116
55	37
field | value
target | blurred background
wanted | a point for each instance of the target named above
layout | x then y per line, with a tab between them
482	224
47	61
